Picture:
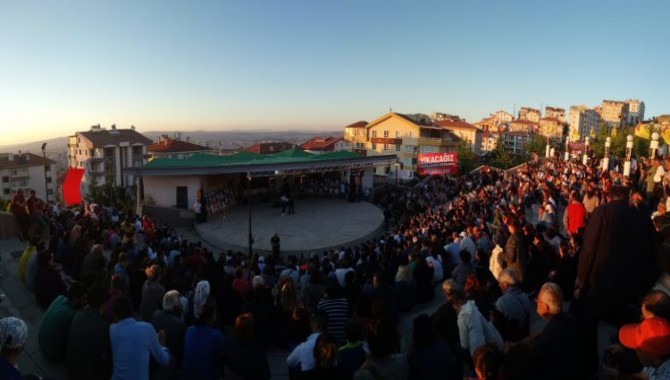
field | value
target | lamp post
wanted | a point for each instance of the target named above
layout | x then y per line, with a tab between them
629	153
653	145
44	163
585	157
547	149
606	159
397	166
567	149
251	237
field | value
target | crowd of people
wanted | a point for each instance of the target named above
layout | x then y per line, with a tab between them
163	307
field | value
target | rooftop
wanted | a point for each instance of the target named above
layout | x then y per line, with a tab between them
168	145
22	160
101	137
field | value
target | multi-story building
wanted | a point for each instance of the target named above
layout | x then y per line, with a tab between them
356	134
551	127
555	112
522	125
503	117
405	136
26	171
584	121
318	145
530	114
614	113
515	142
467	132
489	141
104	154
167	147
635	111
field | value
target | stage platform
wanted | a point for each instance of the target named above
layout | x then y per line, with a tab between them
317	225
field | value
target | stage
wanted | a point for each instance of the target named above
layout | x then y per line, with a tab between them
317	225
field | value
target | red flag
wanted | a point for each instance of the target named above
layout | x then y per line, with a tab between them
71	186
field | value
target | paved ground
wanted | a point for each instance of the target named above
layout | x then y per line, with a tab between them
317	225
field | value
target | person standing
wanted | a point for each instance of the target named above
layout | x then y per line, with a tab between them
132	344
515	255
275	242
20	212
619	242
574	218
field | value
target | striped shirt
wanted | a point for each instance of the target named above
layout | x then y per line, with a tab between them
338	315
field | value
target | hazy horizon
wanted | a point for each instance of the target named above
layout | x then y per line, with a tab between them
306	65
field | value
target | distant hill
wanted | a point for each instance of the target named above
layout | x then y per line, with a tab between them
227	139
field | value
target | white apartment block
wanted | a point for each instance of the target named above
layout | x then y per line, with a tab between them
635	111
26	171
104	154
583	120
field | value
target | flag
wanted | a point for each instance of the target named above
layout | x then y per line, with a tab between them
665	134
71	186
643	131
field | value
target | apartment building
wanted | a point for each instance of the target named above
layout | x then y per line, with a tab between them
26	171
583	121
555	112
466	131
403	135
319	145
167	147
502	117
635	111
104	154
614	113
522	125
515	142
356	134
530	114
551	127
489	141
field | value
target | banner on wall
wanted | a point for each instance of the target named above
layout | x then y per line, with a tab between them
437	163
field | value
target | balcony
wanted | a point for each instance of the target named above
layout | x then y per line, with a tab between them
432	141
18	175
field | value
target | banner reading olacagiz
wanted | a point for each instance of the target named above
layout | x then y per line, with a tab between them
437	163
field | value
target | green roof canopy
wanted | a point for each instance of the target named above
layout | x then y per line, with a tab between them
293	155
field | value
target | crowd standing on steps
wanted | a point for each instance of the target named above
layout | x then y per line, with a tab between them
499	263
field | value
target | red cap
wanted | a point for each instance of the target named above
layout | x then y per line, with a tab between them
651	335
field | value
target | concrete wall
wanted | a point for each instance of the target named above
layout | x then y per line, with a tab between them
163	189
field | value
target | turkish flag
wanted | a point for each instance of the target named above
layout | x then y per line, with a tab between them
71	187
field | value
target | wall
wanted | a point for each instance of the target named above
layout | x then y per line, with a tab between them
163	189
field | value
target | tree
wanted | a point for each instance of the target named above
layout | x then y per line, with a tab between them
502	158
466	159
537	144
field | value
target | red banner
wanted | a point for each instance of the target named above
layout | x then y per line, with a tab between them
71	191
437	163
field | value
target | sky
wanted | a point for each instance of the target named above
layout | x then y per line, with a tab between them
316	64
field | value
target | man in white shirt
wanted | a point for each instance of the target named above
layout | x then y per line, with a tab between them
302	359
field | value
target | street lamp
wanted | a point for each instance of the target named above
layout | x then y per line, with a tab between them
629	153
606	159
251	237
44	163
397	166
653	145
585	157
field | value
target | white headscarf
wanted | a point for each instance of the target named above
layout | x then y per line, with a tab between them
13	333
200	297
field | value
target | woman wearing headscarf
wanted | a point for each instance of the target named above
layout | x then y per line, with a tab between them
13	337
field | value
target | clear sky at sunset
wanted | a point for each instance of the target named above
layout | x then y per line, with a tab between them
317	64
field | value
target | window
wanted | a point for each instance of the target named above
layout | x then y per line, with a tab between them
51	191
47	167
137	151
410	134
386	133
374	146
5	179
397	134
48	179
374	133
360	146
397	147
5	191
386	146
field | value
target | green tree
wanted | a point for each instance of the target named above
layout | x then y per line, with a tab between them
466	159
537	144
501	157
